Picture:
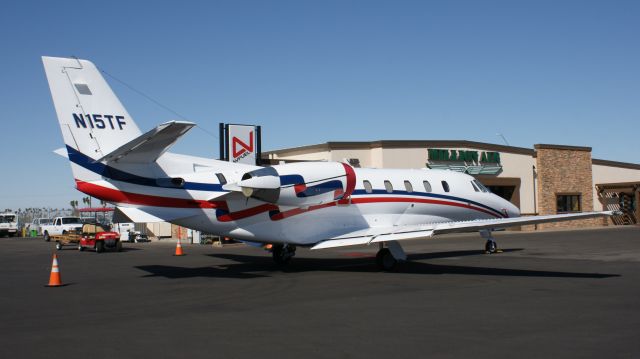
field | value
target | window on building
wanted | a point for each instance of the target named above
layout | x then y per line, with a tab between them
367	186
408	186
445	186
427	185
475	188
568	203
388	186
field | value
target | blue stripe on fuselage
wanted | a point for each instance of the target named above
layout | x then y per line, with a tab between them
424	194
112	173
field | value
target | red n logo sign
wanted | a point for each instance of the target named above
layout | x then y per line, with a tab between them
236	142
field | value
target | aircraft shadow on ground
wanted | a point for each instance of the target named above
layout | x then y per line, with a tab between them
246	267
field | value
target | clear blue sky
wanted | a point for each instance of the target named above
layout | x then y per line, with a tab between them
562	72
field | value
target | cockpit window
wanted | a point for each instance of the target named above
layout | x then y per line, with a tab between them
481	186
475	188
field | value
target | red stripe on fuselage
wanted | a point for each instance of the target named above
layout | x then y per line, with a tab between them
113	195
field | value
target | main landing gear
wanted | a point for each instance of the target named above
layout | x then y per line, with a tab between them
282	253
389	256
491	246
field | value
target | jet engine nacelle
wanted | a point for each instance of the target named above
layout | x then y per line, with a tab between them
299	184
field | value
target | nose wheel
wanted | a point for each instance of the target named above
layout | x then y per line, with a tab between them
490	246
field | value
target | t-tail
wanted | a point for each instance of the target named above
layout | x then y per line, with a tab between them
92	120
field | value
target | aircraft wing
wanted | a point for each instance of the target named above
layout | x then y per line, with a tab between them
398	233
147	147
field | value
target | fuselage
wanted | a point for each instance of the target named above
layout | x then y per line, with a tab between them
188	191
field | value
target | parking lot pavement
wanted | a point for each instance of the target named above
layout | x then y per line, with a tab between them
550	294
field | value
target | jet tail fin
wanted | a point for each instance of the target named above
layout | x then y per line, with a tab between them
91	117
147	147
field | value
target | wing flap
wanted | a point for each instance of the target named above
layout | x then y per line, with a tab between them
147	147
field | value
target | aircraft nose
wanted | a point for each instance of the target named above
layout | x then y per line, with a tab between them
512	210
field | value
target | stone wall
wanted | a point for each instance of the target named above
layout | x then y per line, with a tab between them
564	170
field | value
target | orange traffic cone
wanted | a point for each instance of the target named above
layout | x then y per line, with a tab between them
179	249
54	279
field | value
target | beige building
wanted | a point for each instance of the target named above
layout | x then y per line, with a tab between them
547	179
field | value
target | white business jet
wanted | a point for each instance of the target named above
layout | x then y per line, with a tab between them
314	204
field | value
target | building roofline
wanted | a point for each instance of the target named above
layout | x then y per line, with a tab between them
343	145
561	147
632	166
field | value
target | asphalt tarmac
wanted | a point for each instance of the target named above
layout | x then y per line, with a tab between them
564	294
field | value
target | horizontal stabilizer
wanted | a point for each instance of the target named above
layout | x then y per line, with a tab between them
147	147
61	152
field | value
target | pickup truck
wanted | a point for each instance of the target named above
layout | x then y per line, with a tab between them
61	225
37	225
8	224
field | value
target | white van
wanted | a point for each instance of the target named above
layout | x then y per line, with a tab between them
8	224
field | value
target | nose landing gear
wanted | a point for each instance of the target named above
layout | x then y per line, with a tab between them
491	246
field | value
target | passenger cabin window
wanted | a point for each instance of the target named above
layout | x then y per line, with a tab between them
445	186
388	186
475	188
408	186
221	178
367	186
427	186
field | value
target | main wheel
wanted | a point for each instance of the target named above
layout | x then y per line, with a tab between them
283	254
46	236
385	260
80	247
58	245
491	247
99	247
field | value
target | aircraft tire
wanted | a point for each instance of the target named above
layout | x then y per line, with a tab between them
282	255
385	260
58	245
491	247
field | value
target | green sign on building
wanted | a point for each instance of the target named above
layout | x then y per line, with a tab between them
436	154
471	162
